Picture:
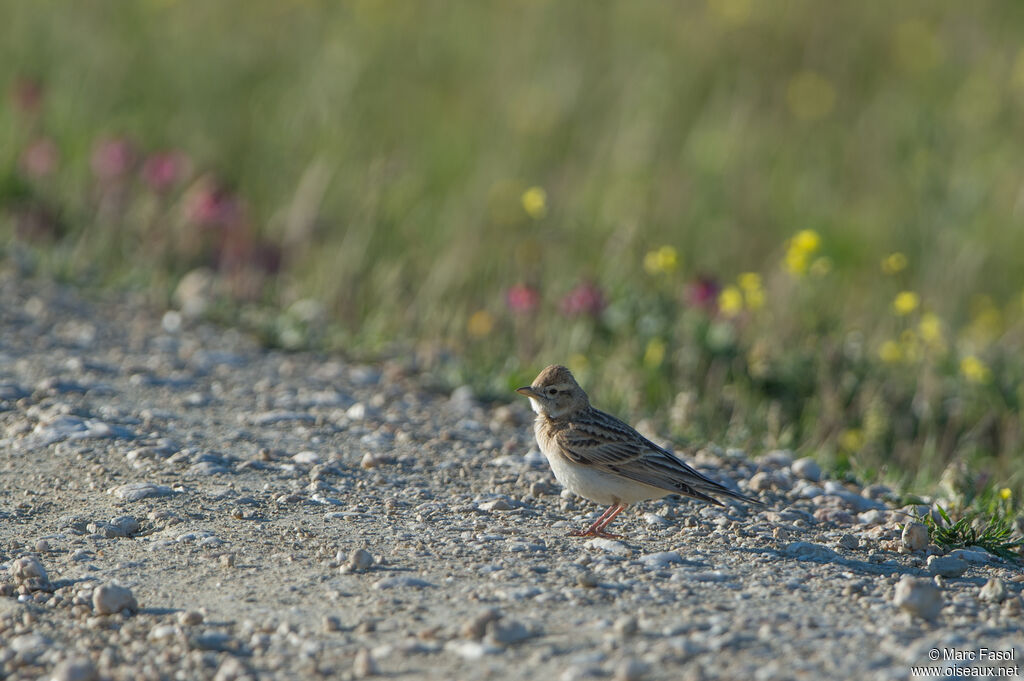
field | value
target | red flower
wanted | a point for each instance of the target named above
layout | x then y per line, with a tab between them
112	158
522	299
585	299
163	170
703	292
40	158
210	205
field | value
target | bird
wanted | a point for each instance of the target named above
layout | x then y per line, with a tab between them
603	459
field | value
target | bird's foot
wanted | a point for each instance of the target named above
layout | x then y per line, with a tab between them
595	533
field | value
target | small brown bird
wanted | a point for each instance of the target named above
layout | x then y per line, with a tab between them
599	457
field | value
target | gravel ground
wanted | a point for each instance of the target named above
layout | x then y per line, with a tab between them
177	502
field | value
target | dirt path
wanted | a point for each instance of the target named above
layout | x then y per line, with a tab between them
291	515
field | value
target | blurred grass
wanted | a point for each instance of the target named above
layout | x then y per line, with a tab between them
383	151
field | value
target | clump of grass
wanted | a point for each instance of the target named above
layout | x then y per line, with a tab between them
993	533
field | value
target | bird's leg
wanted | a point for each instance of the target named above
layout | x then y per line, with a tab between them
608	521
591	531
597	528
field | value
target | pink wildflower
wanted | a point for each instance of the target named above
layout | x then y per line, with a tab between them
585	299
163	170
703	292
40	158
112	158
522	299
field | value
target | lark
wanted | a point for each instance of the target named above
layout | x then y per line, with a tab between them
603	459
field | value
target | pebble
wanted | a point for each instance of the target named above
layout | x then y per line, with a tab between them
806	468
360	559
28	647
136	491
586	579
609	545
364	665
849	541
399	582
110	598
631	669
919	597
27	568
946	566
802	550
75	669
626	625
994	591
915	536
662	559
506	632
499	504
471	650
476	627
976	556
190	618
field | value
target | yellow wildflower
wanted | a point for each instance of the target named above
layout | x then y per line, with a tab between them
930	329
654	355
894	262
801	247
480	324
535	202
974	370
807	240
753	293
661	261
890	352
905	302
730	301
1005	493
851	439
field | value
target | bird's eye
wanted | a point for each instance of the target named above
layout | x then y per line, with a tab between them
552	391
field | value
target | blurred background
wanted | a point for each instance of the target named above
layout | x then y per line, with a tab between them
769	225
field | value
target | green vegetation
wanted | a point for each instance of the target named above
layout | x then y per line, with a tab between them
994	533
769	225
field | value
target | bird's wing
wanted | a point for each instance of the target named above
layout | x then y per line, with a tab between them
603	441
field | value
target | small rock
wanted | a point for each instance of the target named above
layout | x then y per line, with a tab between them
802	550
364	665
915	536
190	618
499	504
660	560
232	669
760	482
919	597
75	669
994	591
626	625
979	557
806	468
609	545
586	579
360	559
476	627
42	546
134	491
471	650
110	598
630	669
307	457
395	582
849	541
27	568
946	566
506	632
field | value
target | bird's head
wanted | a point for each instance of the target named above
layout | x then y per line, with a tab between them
555	393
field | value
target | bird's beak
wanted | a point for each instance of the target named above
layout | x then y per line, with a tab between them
528	391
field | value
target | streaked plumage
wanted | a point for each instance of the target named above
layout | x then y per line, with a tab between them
597	456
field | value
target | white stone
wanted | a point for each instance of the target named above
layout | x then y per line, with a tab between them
110	598
806	468
919	597
915	536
